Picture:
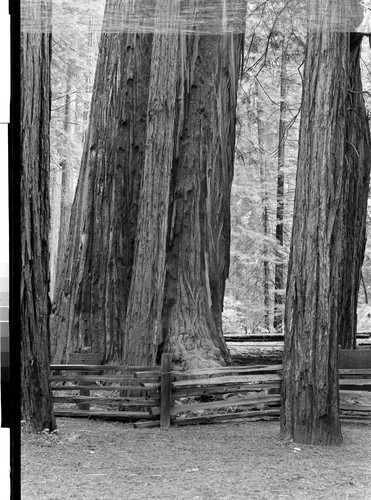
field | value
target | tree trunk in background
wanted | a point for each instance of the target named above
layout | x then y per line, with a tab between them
310	392
55	207
358	161
36	397
197	261
63	192
264	202
279	284
143	320
93	289
364	288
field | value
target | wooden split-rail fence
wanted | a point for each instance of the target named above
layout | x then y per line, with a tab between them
164	396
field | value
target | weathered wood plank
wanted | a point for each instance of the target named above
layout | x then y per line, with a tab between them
353	384
203	391
366	372
106	388
153	375
207	419
92	378
165	407
89	368
229	380
108	400
355	417
355	407
107	415
355	358
149	386
225	403
224	370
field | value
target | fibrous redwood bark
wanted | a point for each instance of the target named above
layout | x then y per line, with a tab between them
197	261
358	162
182	127
328	229
93	289
310	395
143	319
36	397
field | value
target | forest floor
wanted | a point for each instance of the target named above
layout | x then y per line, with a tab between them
97	460
246	459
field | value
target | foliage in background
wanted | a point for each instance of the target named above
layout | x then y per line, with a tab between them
74	53
272	39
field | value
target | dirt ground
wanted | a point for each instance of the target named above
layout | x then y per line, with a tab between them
97	460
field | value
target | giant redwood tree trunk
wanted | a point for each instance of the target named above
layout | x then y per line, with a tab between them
36	398
157	172
328	228
197	261
358	161
92	292
310	395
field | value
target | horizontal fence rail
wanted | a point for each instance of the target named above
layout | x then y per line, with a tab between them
162	396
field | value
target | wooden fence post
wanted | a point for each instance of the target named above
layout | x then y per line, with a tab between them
84	358
165	410
83	392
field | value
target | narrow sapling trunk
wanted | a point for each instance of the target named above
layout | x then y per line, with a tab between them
279	283
264	203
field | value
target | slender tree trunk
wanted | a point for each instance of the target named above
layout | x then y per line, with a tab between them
364	288
197	262
55	205
264	202
358	160
279	267
93	288
36	397
143	321
64	184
